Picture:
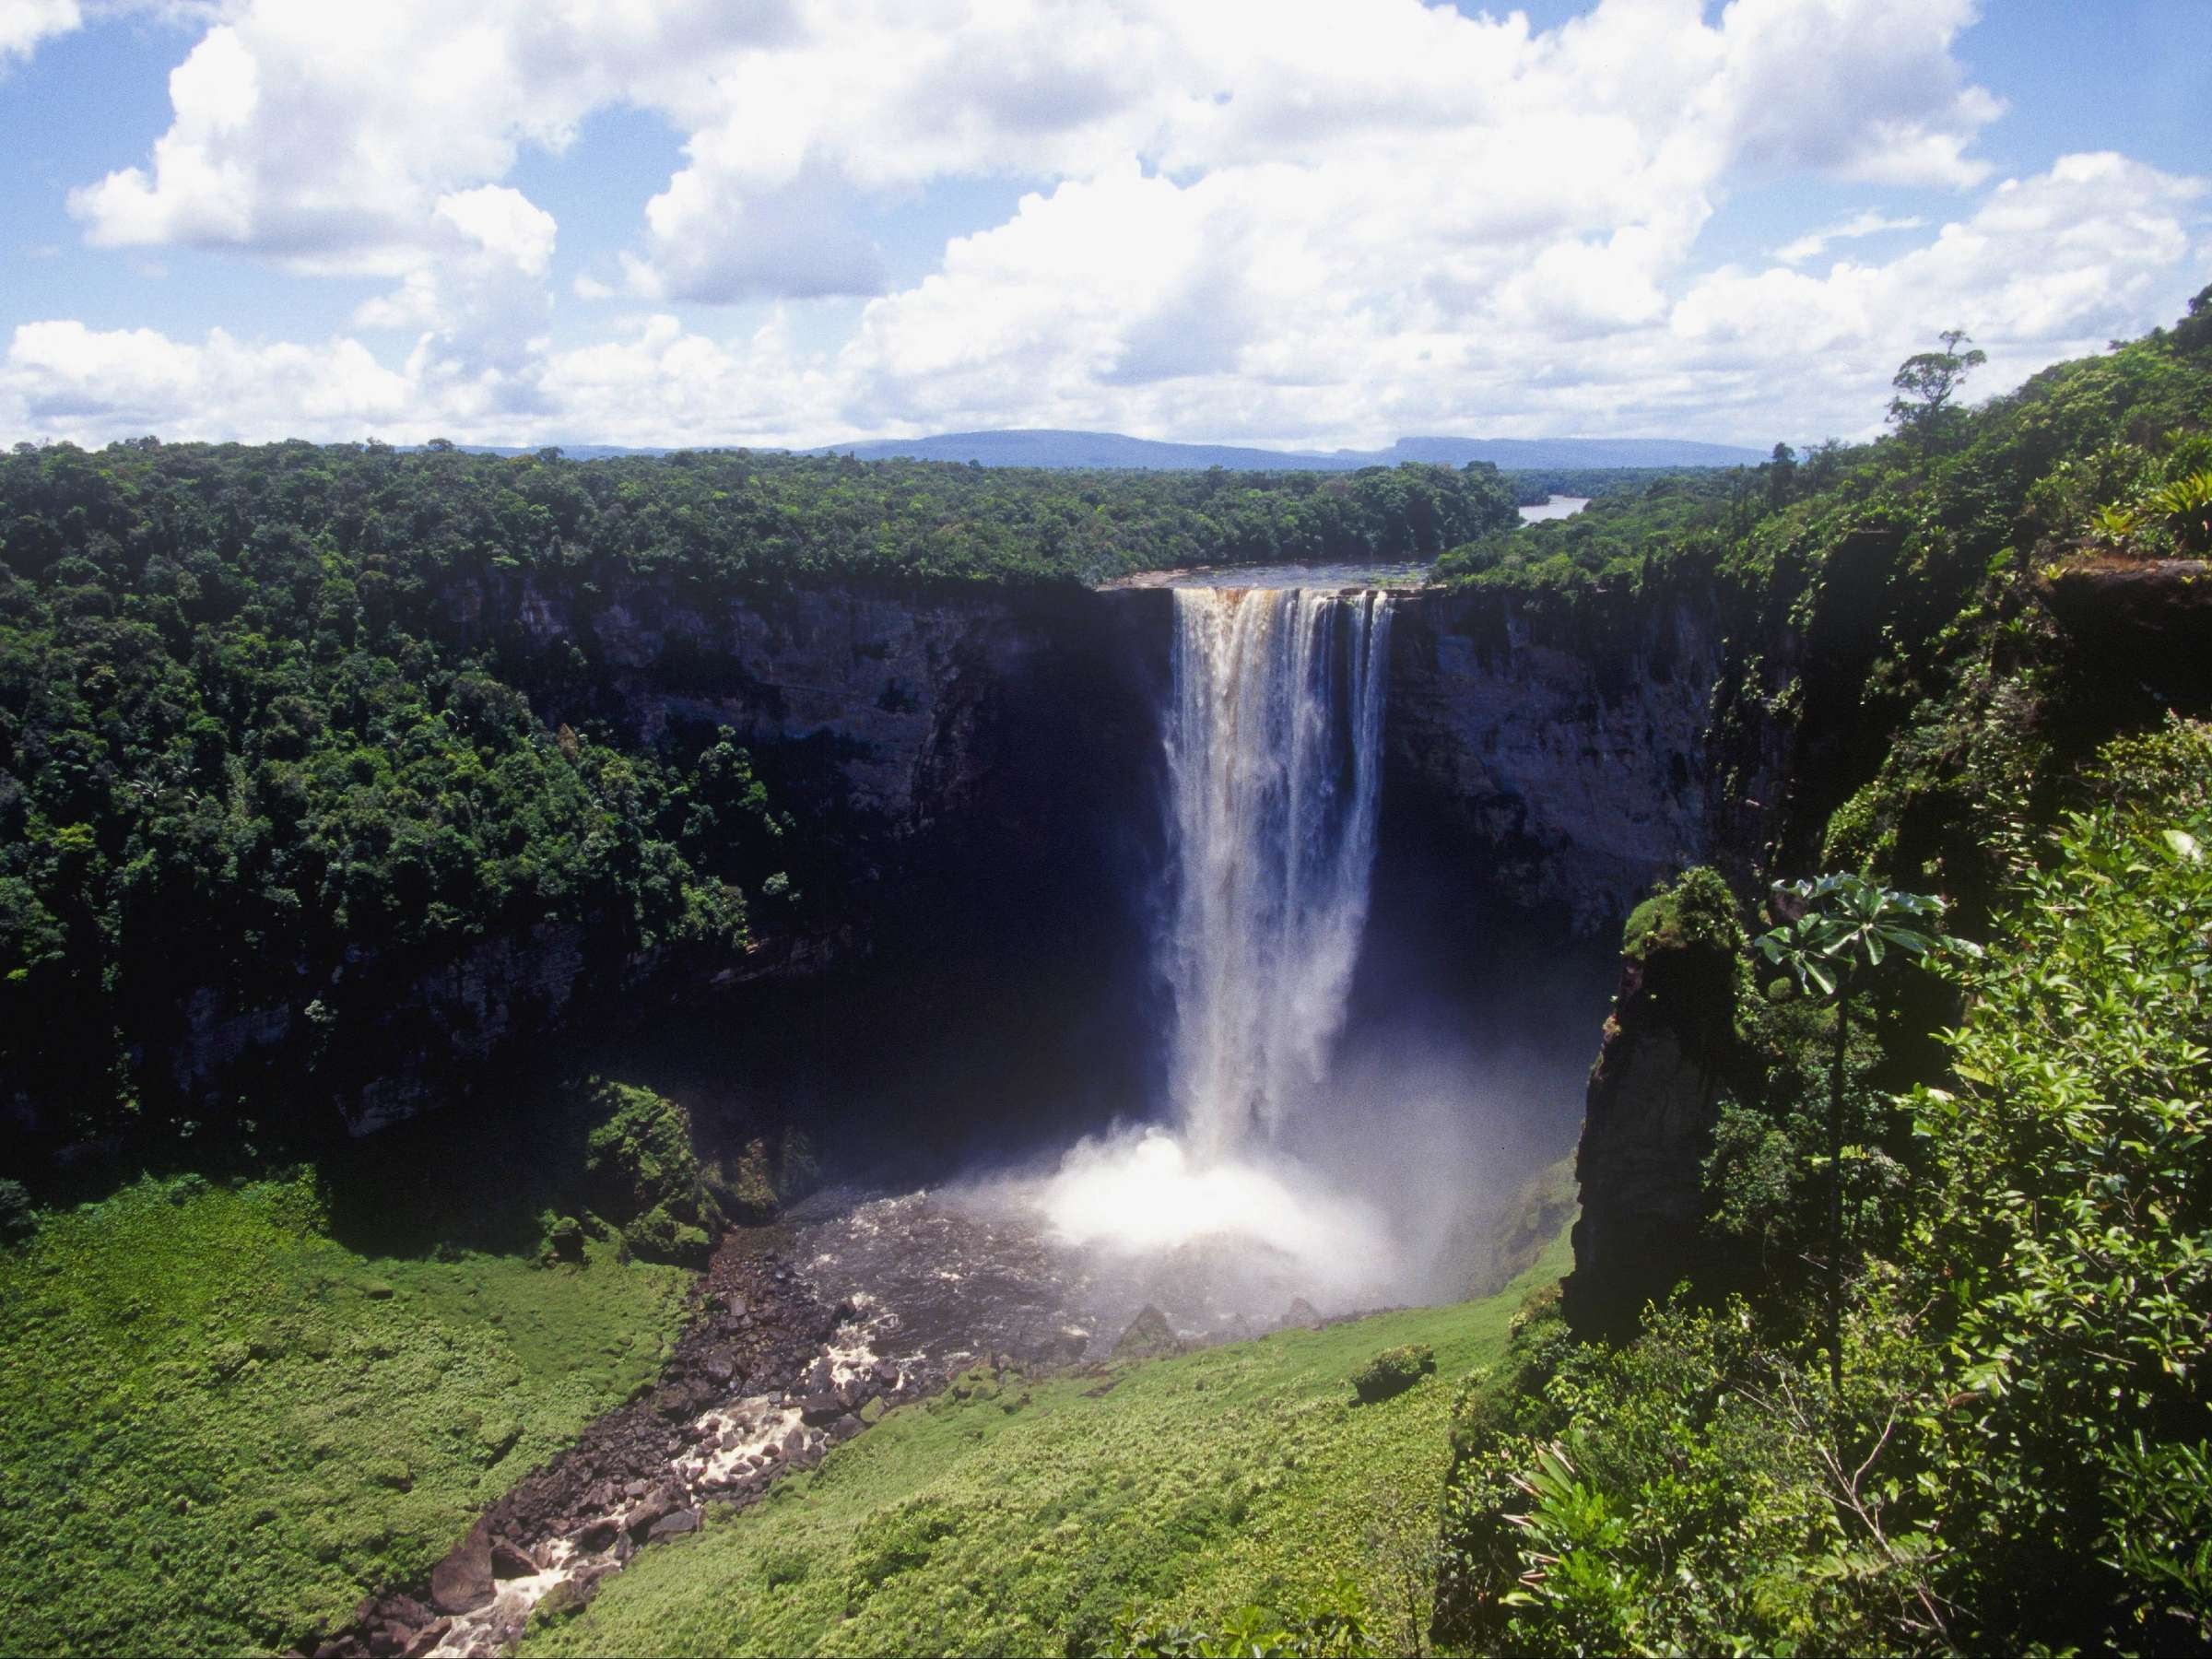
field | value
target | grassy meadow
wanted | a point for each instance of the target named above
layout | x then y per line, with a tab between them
1027	1518
220	1428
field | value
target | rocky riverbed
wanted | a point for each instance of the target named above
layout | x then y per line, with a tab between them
799	1335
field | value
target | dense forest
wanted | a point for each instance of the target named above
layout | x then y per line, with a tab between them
247	739
1933	1380
1924	1372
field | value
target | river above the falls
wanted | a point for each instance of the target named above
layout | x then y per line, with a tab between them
1553	507
1410	573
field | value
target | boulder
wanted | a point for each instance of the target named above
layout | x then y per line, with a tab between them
462	1582
595	1535
566	1599
674	1524
1149	1337
427	1639
819	1408
648	1511
508	1561
1303	1315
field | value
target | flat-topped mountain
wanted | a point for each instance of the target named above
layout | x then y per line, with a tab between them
1047	447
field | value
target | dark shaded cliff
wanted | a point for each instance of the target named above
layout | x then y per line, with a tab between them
1567	753
960	764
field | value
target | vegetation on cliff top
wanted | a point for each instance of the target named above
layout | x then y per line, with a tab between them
2013	1452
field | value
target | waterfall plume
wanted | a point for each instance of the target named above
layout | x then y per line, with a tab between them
1272	735
1274	740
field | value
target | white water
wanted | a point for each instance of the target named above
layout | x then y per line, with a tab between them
1274	748
1274	757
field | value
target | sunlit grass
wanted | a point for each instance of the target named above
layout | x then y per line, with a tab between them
219	1429
1028	1516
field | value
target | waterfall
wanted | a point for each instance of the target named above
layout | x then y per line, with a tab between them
1274	746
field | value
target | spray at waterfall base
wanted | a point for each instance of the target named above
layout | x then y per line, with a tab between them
1274	748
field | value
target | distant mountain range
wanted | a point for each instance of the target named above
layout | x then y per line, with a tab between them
1040	447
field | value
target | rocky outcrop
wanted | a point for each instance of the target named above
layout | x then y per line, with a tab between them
2147	619
1570	754
1149	1337
1669	1045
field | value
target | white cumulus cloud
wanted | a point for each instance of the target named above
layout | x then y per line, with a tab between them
24	23
1312	221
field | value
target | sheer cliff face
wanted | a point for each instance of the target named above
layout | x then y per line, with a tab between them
931	744
1572	759
974	757
893	691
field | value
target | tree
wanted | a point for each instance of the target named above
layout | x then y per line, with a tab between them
1781	476
1927	381
1845	924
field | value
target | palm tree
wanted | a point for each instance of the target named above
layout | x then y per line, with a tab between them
1845	924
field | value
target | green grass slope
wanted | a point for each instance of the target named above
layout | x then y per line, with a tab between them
1025	1518
219	1428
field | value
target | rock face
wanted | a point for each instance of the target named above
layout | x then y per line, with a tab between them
1149	1337
1668	1046
887	706
943	742
1570	757
914	731
463	1581
2148	619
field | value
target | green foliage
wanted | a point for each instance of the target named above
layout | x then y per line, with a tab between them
1619	540
2070	1241
1926	383
1695	911
268	721
1393	1372
219	1428
642	1173
1249	1633
1160	1508
1697	1491
2015	1454
2185	508
17	1217
1846	924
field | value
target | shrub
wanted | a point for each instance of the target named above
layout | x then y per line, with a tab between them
17	1217
1393	1372
1253	1633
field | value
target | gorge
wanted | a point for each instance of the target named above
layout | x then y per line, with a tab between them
919	1058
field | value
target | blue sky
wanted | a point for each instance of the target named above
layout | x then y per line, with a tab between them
1303	222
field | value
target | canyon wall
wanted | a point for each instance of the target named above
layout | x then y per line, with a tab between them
985	758
953	756
1568	756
